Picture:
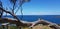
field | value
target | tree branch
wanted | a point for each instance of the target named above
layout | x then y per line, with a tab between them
10	13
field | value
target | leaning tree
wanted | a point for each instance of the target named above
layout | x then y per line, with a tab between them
14	2
21	2
14	7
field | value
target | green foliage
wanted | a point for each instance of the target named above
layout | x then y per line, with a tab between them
13	27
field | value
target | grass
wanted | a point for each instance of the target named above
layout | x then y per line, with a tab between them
41	27
36	27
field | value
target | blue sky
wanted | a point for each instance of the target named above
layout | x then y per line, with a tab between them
40	7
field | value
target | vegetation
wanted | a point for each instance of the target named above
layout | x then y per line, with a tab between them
36	27
18	22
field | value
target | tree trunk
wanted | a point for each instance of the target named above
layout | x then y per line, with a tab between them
10	13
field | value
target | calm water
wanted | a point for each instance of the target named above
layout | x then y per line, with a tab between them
31	18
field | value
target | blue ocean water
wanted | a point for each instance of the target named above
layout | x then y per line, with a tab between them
31	18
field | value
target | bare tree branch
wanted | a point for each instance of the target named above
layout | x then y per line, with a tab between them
10	13
1	12
14	2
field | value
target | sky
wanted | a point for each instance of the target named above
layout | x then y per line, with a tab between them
39	7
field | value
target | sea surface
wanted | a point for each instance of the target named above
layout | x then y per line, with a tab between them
31	18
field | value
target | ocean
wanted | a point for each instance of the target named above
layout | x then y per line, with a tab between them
31	18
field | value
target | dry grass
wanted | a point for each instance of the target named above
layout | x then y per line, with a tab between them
36	27
39	27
